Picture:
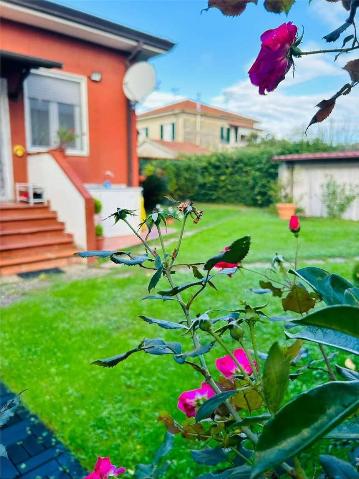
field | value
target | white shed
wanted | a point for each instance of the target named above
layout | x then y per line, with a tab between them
305	175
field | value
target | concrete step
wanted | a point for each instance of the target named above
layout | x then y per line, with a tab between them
23	240
35	255
24	229
37	223
57	262
21	254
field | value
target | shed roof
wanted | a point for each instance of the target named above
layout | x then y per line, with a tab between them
330	156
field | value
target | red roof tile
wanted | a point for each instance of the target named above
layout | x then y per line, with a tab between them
332	155
191	107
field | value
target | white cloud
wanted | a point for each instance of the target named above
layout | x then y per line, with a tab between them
285	115
333	14
158	99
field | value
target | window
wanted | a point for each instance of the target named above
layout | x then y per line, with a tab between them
168	132
225	134
143	133
55	106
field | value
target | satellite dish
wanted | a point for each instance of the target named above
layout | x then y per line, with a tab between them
139	81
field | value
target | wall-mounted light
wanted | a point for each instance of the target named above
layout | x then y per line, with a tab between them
96	76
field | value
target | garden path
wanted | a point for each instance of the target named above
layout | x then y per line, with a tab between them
33	450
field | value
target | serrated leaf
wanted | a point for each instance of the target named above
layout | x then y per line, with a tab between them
275	376
208	407
328	337
352	68
210	457
3	452
196	272
351	296
239	472
155	279
230	8
302	421
348	430
8	409
114	360
158	296
347	373
298	300
237	251
118	259
165	447
249	400
337	468
180	288
203	349
96	253
325	109
159	346
342	318
268	285
278	6
162	323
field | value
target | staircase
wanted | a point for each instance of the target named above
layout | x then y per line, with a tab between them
32	238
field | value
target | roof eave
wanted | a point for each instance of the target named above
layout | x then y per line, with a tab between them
74	23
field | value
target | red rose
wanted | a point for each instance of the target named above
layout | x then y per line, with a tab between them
225	264
294	224
273	61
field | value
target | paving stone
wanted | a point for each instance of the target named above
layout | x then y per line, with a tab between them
33	450
17	453
7	469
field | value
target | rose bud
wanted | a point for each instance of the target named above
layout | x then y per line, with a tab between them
294	224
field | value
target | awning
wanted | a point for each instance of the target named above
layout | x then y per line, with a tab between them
16	67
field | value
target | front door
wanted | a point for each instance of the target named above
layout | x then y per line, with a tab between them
6	173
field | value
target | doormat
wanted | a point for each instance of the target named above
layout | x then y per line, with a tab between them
39	272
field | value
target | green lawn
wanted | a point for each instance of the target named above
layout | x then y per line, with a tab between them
49	339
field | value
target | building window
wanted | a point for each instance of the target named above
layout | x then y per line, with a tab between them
168	132
143	133
225	134
55	107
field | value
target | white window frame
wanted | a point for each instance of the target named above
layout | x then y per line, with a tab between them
82	81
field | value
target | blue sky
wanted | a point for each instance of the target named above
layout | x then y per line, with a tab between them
213	54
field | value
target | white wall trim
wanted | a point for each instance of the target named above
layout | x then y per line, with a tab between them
82	81
5	143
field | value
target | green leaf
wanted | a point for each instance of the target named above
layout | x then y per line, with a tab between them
8	409
208	407
179	289
95	254
268	285
347	373
155	279
159	346
196	272
3	452
163	324
351	296
236	252
165	447
114	360
278	6
239	472
330	287
298	300
348	430
337	468
328	337
203	349
275	376
118	259
210	457
158	296
342	318
302	421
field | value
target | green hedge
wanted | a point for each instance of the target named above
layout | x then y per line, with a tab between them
244	176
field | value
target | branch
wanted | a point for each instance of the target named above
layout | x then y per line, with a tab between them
335	34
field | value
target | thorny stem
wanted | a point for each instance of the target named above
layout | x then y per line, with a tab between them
254	344
332	50
263	275
143	241
330	371
231	409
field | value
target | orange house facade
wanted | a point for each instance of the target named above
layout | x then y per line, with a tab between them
67	128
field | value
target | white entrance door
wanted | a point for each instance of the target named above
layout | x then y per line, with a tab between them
6	173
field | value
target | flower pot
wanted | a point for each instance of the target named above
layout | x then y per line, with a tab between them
100	242
285	210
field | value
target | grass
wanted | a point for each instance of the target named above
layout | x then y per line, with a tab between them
49	339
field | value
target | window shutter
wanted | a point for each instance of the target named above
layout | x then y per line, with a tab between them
173	131
228	135
222	133
161	132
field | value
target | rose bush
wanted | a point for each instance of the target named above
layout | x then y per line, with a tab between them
252	415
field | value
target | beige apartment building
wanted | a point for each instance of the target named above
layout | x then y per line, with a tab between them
194	124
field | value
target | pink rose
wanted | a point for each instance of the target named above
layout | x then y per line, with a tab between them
274	60
228	367
104	469
189	401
